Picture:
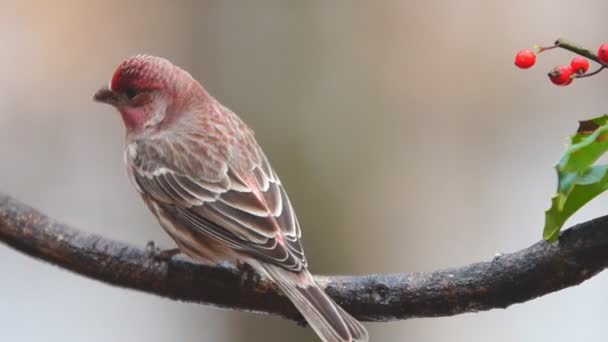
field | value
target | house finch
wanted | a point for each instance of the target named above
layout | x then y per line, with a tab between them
201	172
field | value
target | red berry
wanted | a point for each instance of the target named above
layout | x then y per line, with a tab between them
579	65
525	58
602	53
561	75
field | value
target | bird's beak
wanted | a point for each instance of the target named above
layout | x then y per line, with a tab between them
105	95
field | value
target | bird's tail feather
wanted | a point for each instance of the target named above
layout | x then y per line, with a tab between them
327	319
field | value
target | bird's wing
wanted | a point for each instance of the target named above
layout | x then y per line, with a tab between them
246	210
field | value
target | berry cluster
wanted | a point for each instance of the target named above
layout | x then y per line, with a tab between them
563	75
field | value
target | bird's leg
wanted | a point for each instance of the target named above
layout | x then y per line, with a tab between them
158	255
167	254
250	277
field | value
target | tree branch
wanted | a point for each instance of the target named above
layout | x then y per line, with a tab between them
582	252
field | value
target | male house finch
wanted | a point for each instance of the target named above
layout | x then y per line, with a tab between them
201	172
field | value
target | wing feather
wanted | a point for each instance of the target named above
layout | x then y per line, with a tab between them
247	210
244	201
198	190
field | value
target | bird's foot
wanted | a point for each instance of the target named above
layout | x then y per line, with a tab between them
250	277
155	253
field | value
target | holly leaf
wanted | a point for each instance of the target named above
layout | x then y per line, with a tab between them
579	181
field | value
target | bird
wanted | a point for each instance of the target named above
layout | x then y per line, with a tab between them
201	172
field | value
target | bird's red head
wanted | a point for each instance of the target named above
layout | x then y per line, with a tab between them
142	72
143	88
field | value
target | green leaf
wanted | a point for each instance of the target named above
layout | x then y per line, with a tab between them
584	189
579	181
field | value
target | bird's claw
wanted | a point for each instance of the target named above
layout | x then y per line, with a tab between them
154	253
250	276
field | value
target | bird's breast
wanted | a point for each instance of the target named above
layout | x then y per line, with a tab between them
130	153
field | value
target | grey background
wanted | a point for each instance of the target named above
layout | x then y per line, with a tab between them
406	139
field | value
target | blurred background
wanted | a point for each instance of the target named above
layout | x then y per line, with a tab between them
403	132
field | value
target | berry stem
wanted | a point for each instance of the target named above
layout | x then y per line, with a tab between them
568	45
545	48
591	73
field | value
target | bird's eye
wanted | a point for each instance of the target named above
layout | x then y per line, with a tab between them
130	93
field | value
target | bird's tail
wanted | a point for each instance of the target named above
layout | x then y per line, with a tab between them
327	319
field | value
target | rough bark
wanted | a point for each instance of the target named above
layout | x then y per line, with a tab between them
582	252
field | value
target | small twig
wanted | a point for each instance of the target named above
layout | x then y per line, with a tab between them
567	45
590	74
582	252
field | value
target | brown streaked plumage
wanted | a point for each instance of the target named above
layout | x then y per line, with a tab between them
201	172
